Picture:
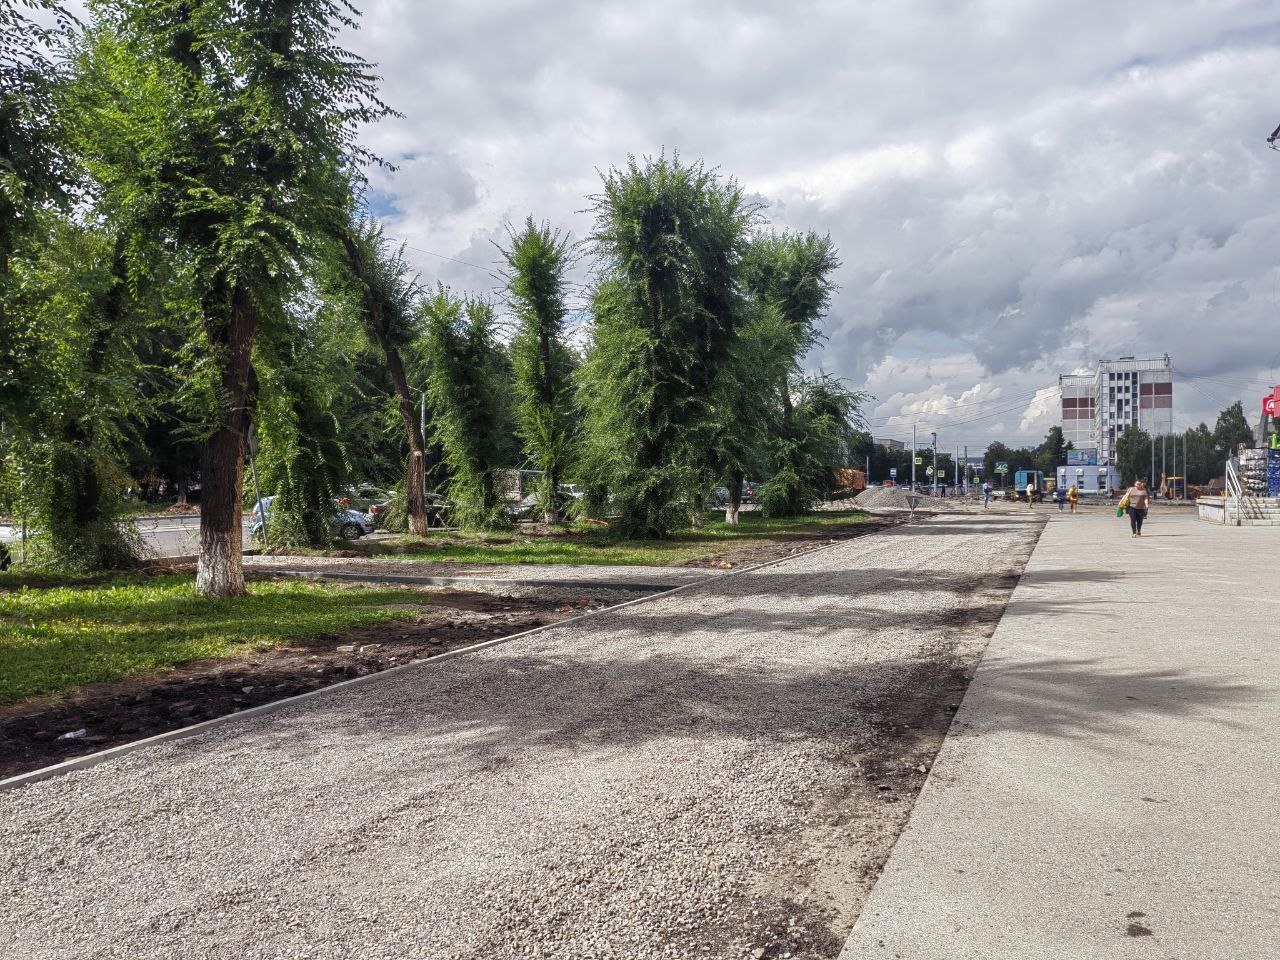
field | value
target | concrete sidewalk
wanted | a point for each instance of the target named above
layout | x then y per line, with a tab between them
1109	787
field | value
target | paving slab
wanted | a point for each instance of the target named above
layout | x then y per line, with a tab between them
1109	786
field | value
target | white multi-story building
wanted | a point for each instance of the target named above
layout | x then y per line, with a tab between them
1096	408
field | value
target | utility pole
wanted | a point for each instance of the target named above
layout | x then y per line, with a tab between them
967	478
1152	474
913	458
934	434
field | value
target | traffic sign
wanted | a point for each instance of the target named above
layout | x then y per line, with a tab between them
919	461
1002	466
928	471
893	473
942	474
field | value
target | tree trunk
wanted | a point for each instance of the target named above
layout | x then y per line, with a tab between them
551	514
735	500
220	568
78	431
415	480
695	514
788	411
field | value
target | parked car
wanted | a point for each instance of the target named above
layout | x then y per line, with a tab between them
346	522
366	499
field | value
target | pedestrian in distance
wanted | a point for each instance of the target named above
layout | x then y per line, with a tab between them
1031	494
1060	496
1139	502
986	493
1073	497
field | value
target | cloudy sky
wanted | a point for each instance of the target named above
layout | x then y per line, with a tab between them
1017	188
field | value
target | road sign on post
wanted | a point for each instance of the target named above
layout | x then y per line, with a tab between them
919	461
893	473
1002	466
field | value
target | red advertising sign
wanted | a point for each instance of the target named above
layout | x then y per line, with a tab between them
1271	404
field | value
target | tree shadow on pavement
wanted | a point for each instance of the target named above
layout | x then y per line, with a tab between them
1084	699
538	704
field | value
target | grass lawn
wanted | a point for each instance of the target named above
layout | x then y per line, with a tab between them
592	545
61	637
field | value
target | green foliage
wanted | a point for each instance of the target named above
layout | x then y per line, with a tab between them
604	547
792	272
35	171
748	410
71	352
541	361
819	440
789	275
1133	455
1231	430
467	374
54	639
302	460
670	237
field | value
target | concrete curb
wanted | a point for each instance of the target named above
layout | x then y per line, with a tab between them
634	586
182	733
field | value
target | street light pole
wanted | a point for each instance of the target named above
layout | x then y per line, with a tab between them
934	435
913	458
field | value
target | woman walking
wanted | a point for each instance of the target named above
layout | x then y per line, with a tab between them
1139	502
1073	497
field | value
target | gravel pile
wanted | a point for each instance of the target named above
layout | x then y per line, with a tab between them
895	498
648	783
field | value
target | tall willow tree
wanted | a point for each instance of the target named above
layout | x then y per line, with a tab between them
233	121
667	310
34	170
791	274
543	364
75	329
389	295
467	374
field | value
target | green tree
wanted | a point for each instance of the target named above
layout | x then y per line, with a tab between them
232	123
74	335
822	435
34	168
537	259
1231	430
466	383
666	312
390	295
302	459
1133	455
1202	463
749	416
1052	453
792	274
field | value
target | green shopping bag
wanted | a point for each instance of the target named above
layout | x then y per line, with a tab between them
1124	505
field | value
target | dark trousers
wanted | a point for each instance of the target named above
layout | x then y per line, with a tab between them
1136	516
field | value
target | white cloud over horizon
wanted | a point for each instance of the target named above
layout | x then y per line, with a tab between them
1017	188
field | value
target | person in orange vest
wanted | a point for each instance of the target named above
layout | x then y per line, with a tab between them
1073	497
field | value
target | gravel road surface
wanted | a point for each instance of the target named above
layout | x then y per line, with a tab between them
681	778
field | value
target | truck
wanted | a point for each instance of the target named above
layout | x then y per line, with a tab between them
849	481
1024	477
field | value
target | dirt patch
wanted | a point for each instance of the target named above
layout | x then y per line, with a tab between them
780	549
34	734
816	899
